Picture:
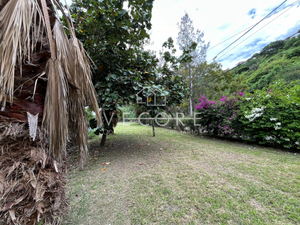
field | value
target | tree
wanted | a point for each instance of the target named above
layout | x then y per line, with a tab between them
186	37
45	83
170	88
213	82
113	36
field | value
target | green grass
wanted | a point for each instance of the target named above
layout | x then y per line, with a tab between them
184	179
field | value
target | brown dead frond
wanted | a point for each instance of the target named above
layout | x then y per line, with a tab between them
62	48
81	76
21	23
55	109
32	184
78	124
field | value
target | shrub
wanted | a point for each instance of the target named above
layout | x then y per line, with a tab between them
219	118
273	115
269	116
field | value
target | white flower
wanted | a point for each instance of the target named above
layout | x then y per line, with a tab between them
255	112
269	138
273	119
277	126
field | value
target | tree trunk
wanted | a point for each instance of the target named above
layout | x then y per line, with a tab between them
153	128
103	139
32	182
191	89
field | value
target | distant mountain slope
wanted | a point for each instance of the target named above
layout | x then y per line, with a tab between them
277	60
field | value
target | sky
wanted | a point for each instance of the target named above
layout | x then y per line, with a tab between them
220	20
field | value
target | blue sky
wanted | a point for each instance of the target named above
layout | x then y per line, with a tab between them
220	20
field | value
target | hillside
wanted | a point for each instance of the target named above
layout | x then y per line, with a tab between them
277	60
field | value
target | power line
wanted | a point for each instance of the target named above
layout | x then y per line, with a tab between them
292	35
250	29
292	5
242	31
229	38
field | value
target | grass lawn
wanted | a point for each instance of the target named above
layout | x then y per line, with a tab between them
177	178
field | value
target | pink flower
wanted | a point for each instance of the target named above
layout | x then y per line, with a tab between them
241	94
223	98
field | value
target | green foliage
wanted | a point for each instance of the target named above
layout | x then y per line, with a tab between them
129	111
170	88
289	43
277	60
273	115
220	117
295	52
89	113
272	48
92	134
269	116
211	84
113	36
91	117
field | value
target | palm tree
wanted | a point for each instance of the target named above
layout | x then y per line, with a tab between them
45	84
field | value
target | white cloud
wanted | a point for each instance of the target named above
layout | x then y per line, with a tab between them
220	20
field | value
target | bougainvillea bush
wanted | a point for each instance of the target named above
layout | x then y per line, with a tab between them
219	117
268	116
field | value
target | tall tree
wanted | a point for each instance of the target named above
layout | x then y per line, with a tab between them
186	37
169	88
45	83
114	35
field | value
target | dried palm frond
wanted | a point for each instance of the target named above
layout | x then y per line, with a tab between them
55	109
77	75
78	123
32	184
62	48
81	76
21	23
48	28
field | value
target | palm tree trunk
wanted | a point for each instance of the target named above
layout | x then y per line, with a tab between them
32	156
32	183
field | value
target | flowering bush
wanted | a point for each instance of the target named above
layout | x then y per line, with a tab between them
218	118
271	115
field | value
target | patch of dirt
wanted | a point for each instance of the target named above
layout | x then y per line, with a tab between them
256	205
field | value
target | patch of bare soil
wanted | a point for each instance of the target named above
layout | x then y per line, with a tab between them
114	164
